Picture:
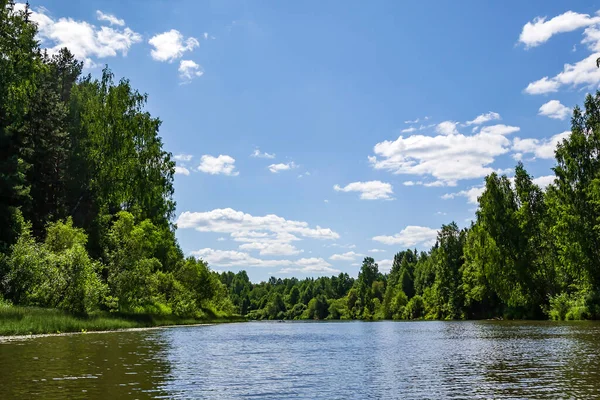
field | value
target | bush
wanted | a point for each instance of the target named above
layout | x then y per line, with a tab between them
57	273
571	307
415	308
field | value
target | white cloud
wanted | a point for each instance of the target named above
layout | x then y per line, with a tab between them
326	201
269	235
181	170
221	239
233	258
410	236
311	265
541	148
447	158
544	181
483	118
222	164
183	157
276	168
349	256
409	183
111	19
189	70
84	40
554	109
376	251
542	86
447	128
239	224
271	247
541	30
582	73
169	46
438	184
385	266
471	194
409	130
371	190
499	129
258	154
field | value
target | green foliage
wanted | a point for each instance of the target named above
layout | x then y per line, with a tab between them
415	308
82	162
86	219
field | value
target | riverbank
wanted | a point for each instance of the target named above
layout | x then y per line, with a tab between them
25	321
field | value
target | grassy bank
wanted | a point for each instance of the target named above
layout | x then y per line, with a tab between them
27	321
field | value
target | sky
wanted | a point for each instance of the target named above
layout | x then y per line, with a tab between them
311	134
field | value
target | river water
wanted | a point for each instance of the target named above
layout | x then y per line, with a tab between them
344	360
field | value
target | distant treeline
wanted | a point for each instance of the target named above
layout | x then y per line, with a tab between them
86	190
531	253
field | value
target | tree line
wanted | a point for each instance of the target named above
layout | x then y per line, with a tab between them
86	191
86	219
531	253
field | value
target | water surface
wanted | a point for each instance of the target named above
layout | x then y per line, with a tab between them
353	360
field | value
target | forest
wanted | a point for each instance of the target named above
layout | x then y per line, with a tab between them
86	191
87	211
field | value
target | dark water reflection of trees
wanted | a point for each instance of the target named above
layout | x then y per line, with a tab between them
90	366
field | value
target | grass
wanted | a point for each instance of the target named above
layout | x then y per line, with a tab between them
30	320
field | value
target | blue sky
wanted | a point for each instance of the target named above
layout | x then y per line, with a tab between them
310	134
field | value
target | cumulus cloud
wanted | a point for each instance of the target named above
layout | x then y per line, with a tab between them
183	157
240	259
385	266
582	73
554	109
544	181
540	30
471	194
189	70
310	266
447	128
259	154
111	19
410	236
483	118
268	235
221	165
540	148
371	190
447	157
349	256
181	170
86	41
170	45
376	251
271	246
276	168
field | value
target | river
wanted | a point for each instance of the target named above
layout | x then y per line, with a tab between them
326	360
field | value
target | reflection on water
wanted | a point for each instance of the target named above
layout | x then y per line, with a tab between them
90	366
312	360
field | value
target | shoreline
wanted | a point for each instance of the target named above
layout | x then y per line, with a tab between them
29	322
10	338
